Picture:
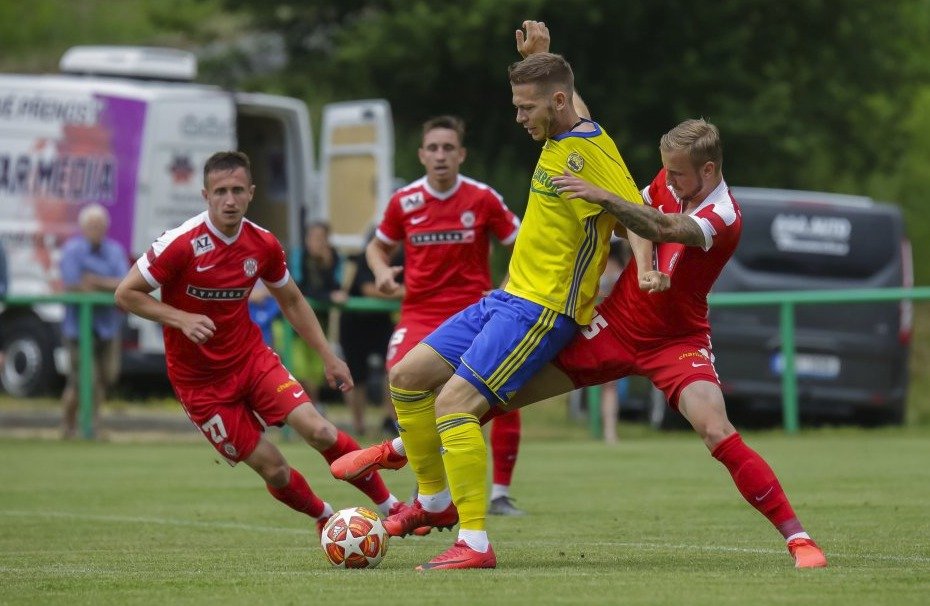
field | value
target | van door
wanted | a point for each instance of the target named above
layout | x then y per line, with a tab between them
275	133
356	168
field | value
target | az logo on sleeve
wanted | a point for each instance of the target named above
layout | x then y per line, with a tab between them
202	245
412	202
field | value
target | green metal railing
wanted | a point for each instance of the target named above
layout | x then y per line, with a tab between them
86	303
786	300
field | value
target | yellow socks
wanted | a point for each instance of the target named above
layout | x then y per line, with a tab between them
466	461
416	416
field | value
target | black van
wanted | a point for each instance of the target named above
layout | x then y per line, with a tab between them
852	358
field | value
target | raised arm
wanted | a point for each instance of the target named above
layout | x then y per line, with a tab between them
537	40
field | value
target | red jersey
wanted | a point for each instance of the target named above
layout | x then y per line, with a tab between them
202	271
682	309
446	239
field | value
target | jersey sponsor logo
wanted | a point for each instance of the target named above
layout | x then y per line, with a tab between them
201	268
250	267
543	183
418	219
216	294
702	354
468	218
202	245
575	162
287	385
457	236
412	202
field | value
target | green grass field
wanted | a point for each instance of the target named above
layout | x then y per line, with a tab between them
652	520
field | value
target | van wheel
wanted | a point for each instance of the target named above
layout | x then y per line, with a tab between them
661	416
29	367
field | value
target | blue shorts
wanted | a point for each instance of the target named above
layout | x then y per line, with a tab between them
501	341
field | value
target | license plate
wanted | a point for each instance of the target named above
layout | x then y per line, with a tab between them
815	366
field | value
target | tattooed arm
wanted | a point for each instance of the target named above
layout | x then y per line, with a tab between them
641	219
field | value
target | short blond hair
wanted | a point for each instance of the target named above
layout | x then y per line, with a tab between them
698	138
548	70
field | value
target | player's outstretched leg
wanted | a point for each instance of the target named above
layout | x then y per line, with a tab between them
333	443
758	484
286	484
416	415
389	454
297	495
701	402
371	483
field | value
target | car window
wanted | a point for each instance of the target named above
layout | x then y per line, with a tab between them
812	240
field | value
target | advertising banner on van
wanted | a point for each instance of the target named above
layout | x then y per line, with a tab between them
60	151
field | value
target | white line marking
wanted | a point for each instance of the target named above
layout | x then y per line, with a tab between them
911	559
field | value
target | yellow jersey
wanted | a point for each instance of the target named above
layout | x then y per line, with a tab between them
561	249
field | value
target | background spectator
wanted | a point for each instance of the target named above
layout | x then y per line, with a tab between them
92	262
321	272
613	392
364	337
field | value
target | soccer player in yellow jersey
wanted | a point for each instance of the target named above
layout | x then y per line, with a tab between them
482	355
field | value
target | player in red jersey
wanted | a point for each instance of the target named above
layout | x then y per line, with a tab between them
229	382
665	336
696	222
445	222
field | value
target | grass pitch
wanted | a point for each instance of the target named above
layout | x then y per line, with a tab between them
652	520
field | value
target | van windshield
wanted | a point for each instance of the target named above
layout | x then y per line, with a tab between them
817	240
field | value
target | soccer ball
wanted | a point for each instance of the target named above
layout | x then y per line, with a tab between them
354	538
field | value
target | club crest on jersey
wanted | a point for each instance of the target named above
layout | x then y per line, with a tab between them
412	202
575	162
468	219
202	245
250	267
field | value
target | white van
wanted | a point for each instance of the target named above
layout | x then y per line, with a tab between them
128	128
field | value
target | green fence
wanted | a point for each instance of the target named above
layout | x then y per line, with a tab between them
787	301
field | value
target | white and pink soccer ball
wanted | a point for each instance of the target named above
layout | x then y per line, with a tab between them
354	538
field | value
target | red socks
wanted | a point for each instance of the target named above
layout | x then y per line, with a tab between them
756	481
298	496
372	484
505	443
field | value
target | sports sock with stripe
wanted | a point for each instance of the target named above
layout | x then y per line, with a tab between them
465	458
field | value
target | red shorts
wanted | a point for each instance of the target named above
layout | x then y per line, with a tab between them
405	337
233	409
602	352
